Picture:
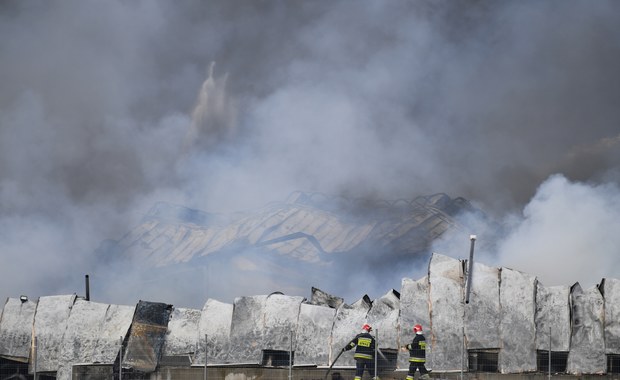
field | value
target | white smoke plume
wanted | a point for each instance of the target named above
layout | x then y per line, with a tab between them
106	108
567	233
213	118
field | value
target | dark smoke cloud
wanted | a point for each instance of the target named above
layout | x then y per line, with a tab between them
108	107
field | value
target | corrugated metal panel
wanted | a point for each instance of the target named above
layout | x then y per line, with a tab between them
280	319
80	339
50	323
348	323
383	317
552	312
182	334
312	340
246	332
16	329
482	313
587	352
146	336
517	324
115	325
446	305
414	309
215	323
610	288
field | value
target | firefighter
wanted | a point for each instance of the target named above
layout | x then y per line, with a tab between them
417	354
364	352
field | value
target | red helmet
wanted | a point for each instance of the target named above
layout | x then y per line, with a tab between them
417	328
367	327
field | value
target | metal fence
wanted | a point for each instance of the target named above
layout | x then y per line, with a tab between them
280	365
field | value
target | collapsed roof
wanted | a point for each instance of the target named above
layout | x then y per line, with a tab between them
309	239
309	226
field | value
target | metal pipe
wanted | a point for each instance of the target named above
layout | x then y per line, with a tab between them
206	356
462	349
549	362
376	349
34	364
472	238
290	359
86	279
120	362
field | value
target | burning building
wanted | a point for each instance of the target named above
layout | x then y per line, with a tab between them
511	324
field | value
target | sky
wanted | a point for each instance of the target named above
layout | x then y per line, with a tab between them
109	107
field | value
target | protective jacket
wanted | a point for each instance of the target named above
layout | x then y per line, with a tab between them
365	344
417	349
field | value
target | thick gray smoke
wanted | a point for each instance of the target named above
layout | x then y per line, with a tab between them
567	233
108	107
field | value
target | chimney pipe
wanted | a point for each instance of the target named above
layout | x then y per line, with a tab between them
471	266
87	288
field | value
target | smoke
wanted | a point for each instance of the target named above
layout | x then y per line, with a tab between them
213	118
107	108
567	233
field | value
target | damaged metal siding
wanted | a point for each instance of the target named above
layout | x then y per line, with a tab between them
80	339
414	309
146	336
482	313
312	340
246	331
508	310
16	325
348	323
517	322
383	317
215	324
446	309
610	288
181	336
50	323
587	353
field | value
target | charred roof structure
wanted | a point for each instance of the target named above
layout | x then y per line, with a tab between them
510	325
310	227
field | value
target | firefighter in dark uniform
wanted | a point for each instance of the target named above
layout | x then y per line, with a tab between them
417	354
364	352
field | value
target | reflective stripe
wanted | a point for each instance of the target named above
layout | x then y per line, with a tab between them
409	378
417	360
362	356
357	378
